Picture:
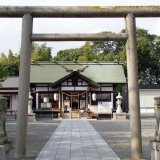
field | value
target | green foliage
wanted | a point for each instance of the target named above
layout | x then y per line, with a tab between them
91	50
3	74
148	51
10	63
118	89
88	51
148	54
68	55
41	52
106	47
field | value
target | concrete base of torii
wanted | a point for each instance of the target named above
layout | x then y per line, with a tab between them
4	150
155	150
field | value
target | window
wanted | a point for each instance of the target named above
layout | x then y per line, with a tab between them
101	97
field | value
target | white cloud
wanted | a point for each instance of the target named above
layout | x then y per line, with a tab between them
10	29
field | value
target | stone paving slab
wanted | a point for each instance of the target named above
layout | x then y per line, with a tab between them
76	140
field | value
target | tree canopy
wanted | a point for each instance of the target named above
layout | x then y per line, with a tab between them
3	74
148	54
11	62
41	52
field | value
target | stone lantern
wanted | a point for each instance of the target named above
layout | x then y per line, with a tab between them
30	98
31	115
119	115
119	102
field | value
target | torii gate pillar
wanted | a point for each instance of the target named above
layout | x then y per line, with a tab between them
133	88
24	80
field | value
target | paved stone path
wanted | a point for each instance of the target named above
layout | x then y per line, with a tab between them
76	140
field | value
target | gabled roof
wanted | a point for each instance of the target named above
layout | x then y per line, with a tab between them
91	83
99	72
11	82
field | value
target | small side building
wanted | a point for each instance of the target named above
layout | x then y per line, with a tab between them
9	90
147	92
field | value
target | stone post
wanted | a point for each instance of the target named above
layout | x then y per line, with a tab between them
5	145
155	144
24	80
133	88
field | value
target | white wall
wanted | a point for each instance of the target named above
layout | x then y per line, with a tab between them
107	89
41	88
14	101
147	100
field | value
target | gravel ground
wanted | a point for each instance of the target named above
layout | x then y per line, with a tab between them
37	136
115	133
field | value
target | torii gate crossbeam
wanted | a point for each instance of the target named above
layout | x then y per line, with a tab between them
79	11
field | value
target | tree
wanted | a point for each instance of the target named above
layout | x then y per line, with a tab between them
10	63
3	58
3	74
105	47
148	54
69	54
91	50
41	52
148	50
85	53
153	71
88	52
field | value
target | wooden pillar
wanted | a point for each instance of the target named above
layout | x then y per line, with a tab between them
87	100
60	103
24	80
133	88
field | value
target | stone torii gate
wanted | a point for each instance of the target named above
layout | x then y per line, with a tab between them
129	13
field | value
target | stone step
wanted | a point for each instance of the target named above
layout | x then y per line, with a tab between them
65	116
84	114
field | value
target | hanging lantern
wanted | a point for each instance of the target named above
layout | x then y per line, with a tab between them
55	96
94	97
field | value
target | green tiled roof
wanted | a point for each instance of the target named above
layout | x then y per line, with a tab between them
100	72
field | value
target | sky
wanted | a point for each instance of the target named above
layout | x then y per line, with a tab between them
10	28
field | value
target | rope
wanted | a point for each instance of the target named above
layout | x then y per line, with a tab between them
73	94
